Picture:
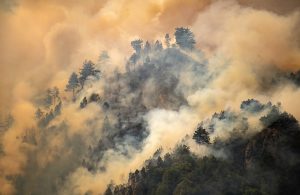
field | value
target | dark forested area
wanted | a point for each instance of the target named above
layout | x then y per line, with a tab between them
267	162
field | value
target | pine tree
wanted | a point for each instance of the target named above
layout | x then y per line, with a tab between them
167	40
185	38
147	48
73	83
52	96
134	58
137	45
87	70
158	46
201	136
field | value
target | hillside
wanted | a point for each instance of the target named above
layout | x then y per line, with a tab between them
267	162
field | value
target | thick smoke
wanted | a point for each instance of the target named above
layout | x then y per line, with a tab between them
50	38
244	45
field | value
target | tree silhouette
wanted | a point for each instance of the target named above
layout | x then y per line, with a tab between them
73	83
87	70
185	38
201	136
167	40
137	45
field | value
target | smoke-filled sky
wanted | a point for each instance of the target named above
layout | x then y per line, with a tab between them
42	39
42	42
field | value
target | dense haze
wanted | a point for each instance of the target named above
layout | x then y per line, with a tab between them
142	99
